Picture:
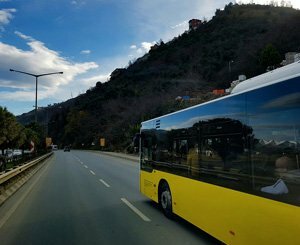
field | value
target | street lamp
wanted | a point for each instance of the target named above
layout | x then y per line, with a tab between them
36	84
229	68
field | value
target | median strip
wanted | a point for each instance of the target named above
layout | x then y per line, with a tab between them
134	209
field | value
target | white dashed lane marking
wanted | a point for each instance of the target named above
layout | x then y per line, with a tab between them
134	209
124	200
104	183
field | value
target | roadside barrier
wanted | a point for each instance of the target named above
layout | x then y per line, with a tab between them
8	175
8	179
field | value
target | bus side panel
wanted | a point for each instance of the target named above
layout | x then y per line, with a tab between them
148	184
232	217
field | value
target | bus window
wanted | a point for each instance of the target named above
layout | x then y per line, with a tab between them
186	156
274	116
224	153
193	159
146	150
180	150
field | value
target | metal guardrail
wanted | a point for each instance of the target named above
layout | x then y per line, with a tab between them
7	176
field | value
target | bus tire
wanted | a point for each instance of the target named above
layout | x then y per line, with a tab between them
165	200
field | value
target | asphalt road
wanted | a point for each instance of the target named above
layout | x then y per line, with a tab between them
87	198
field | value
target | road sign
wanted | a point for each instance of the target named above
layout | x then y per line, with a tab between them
48	141
102	142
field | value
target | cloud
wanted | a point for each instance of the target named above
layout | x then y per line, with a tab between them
91	81
6	16
294	3
182	24
170	17
85	51
78	3
286	101
25	37
37	60
146	45
141	49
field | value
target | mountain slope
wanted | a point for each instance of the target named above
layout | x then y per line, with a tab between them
192	64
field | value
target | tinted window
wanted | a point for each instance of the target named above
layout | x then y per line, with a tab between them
224	144
273	113
148	143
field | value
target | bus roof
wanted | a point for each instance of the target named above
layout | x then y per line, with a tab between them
271	77
275	76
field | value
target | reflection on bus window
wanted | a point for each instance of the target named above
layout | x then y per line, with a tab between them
146	150
224	153
275	147
180	149
193	160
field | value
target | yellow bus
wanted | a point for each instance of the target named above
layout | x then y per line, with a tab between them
231	166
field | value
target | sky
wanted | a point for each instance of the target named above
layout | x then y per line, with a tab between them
84	39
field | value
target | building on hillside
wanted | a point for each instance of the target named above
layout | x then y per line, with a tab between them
183	98
290	58
241	78
194	24
218	91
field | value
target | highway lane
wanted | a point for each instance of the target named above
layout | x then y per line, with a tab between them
81	197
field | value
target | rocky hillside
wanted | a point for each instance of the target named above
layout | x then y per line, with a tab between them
248	37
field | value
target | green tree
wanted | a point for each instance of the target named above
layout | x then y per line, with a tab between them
9	129
75	132
30	135
36	133
269	56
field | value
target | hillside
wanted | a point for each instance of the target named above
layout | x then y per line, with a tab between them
191	64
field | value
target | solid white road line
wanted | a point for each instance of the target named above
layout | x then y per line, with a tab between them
93	173
134	209
104	183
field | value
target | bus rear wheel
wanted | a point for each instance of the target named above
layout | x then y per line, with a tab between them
166	200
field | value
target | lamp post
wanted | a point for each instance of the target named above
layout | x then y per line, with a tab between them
229	68
36	84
